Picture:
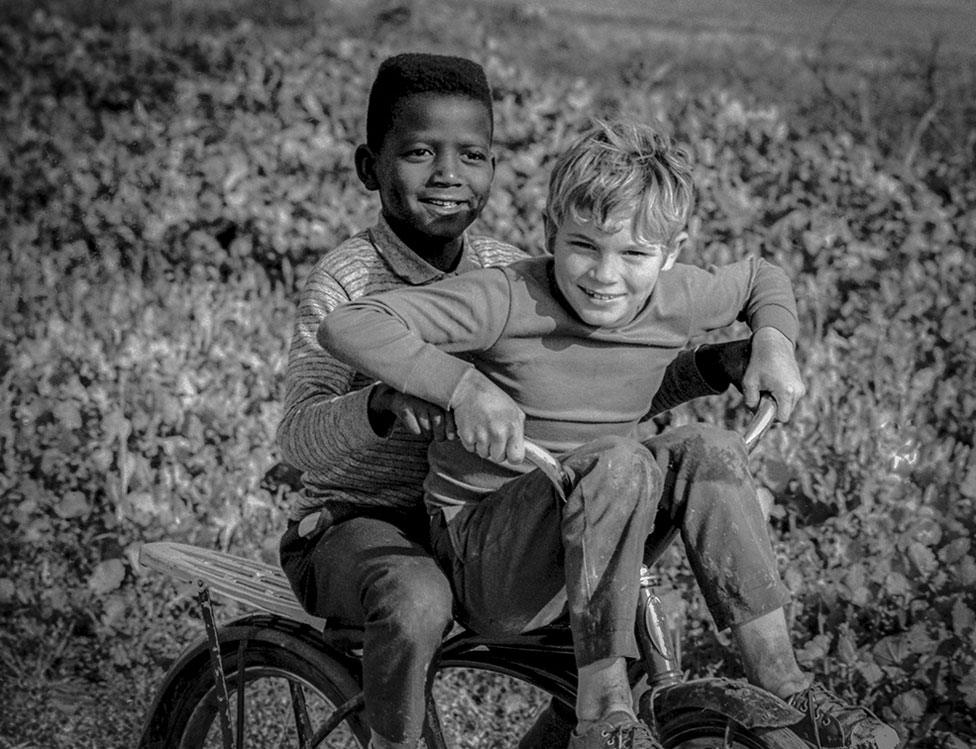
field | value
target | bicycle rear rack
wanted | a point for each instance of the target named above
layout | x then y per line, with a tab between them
247	581
256	584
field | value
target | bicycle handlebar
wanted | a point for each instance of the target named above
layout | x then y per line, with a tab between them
551	467
761	421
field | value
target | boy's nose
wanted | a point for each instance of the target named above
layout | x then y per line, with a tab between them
446	168
604	270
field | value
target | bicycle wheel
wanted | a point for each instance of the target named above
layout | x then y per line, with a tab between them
706	729
480	708
283	692
488	692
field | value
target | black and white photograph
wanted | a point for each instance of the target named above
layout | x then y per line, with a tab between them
486	374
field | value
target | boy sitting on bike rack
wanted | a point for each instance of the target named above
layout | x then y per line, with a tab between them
356	548
568	351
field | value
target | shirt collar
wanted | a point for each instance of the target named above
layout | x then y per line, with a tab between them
409	266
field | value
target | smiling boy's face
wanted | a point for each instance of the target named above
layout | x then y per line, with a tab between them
606	277
433	170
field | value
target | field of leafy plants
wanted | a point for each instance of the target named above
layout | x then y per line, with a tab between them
165	187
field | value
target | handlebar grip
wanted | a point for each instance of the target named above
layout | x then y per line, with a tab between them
547	463
761	421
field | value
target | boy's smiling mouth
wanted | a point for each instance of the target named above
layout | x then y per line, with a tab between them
598	296
443	202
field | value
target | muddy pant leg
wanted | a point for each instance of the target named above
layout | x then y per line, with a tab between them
520	554
372	573
710	496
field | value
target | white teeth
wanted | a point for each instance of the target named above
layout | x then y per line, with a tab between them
445	203
598	296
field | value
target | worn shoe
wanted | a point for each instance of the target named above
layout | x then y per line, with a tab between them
829	723
619	731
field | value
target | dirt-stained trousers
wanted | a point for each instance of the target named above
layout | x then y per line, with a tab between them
520	556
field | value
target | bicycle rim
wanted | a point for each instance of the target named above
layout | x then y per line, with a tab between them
285	702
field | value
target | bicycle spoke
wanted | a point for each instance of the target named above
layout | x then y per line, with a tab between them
727	739
303	725
240	695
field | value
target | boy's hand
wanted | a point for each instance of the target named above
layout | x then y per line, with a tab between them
488	421
418	416
772	368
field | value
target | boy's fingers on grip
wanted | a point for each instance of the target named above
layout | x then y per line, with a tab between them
450	427
410	423
436	421
786	400
500	438
750	391
515	452
468	439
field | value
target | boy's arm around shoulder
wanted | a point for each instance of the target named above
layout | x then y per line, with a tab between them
325	415
408	338
411	338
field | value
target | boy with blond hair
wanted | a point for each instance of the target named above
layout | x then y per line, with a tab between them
568	350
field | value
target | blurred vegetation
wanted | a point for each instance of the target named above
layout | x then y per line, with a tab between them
169	172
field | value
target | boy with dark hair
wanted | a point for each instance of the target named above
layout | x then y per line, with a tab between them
569	350
356	548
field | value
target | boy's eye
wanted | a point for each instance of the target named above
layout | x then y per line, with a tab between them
581	246
475	156
416	154
651	250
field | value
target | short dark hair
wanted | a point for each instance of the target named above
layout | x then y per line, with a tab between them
412	73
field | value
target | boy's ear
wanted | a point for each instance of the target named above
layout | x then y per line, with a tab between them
674	249
366	167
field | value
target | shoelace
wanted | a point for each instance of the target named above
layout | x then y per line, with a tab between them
820	702
626	737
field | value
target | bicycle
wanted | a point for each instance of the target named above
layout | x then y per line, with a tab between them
291	662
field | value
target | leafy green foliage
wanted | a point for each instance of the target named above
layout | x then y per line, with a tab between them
163	197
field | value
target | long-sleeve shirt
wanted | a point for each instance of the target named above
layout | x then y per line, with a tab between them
325	430
573	381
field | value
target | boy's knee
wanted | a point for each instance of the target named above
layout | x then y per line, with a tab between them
712	453
421	610
624	467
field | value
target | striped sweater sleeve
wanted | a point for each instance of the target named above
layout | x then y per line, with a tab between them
324	418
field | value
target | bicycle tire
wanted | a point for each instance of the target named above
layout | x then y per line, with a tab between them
289	679
707	729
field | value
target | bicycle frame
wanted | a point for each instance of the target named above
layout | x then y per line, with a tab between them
544	658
